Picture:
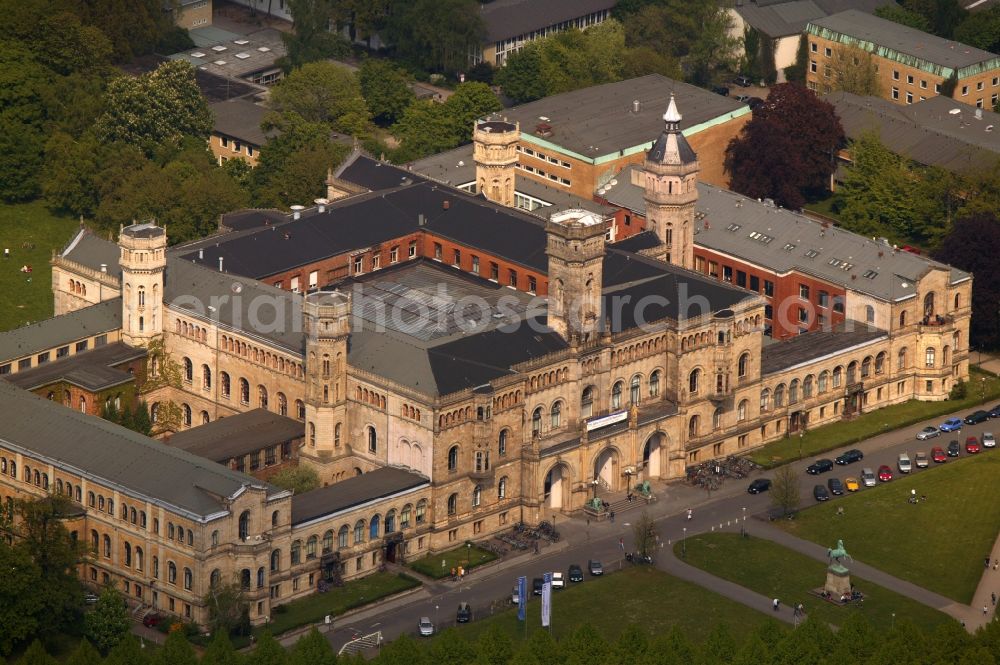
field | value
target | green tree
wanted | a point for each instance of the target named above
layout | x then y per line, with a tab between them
84	654
981	29
943	16
294	163
436	35
385	88
220	651
157	108
426	128
494	647
785	490
973	240
312	649
268	652
450	647
521	77
138	34
130	652
141	422
300	479
401	651
176	650
854	71
36	655
903	16
109	621
752	652
644	535
584	645
20	606
57	37
720	646
323	92
226	605
751	53
470	102
311	39
68	179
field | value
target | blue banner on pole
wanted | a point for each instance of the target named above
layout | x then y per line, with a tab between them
522	598
546	599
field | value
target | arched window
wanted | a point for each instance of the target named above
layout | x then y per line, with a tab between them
693	425
342	536
311	547
502	488
328	541
83	404
838	376
188	579
216	578
869	314
133	516
390	522
187	415
404	517
244	525
779	396
244	391
717	418
296	552
180	534
372	440
536	422
743	365
336	434
556	415
793	391
807	387
188	370
502	442
587	402
453	504
282	404
901	359
95	541
929	305
171	572
300	409
741	411
902	318
359	532
880	362
929	357
215	538
156	568
312	435
453	458
693	380
823	383
421	514
261	397
633	390
654	384
616	395
958	300
477	496
373	527
206	377
765	400
107	546
275	518
128	555
866	367
138	558
224	378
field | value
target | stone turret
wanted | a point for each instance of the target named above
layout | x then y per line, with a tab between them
143	260
575	248
495	152
327	323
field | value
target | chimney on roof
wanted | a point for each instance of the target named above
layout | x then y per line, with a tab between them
421	220
220	264
979	114
104	267
636	106
321	204
445	204
297	211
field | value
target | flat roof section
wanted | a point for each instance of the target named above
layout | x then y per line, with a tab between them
238	435
779	356
353	492
103	317
91	370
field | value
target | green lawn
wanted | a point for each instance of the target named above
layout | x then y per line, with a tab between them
938	544
641	595
777	572
336	601
23	301
870	424
431	565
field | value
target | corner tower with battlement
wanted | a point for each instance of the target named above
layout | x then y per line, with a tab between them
143	259
495	153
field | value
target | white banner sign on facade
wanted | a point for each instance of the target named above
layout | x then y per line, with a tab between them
604	421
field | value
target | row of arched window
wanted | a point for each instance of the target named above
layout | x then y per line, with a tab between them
369	397
190	330
546	379
797	390
477	496
505	401
258	355
639	350
409	411
78	288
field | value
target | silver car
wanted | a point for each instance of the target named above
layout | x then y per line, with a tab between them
904	464
868	477
988	440
928	432
425	626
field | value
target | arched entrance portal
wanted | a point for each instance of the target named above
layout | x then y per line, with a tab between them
557	486
606	470
653	455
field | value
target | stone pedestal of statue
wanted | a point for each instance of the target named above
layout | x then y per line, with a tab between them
838	581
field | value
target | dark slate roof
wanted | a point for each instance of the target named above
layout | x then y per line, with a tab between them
781	18
661	147
244	220
597	121
928	132
139	466
92	370
373	174
144	230
238	435
240	119
87	249
509	18
638	242
59	330
347	494
809	347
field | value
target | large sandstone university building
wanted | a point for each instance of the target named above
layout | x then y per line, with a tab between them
450	365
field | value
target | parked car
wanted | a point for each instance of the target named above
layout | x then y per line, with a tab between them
995	411
742	98
868	477
928	432
836	487
920	460
754	102
537	585
903	463
152	620
558	581
820	493
884	473
515	597
953	448
759	485
464	614
951	425
972	445
721	90
819	466
575	573
595	567
851	484
849	457
977	417
938	455
425	627
742	80
989	441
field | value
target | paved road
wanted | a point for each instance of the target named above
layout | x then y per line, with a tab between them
731	504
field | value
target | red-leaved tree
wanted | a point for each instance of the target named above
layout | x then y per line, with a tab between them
786	152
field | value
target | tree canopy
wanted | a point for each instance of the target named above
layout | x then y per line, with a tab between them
311	39
109	622
385	88
323	92
786	151
299	479
428	127
435	35
974	240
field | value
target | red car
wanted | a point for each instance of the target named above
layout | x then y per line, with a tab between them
972	445
152	620
884	473
938	455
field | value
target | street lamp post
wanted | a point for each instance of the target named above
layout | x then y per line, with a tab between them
436	614
801	434
684	549
744	530
468	556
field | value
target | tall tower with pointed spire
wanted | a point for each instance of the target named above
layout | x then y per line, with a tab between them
671	191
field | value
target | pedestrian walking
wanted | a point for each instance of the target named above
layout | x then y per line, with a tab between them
987	562
690	514
612	516
993	597
996	562
985	610
774	604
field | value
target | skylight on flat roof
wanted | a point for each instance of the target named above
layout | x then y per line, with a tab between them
241	42
812	254
242	56
219	62
197	54
789	247
263	49
870	274
219	48
733	227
